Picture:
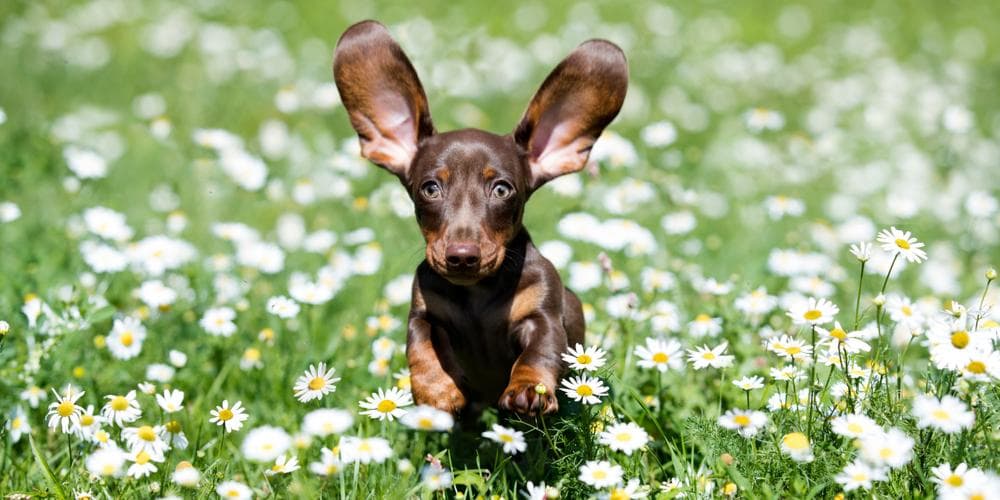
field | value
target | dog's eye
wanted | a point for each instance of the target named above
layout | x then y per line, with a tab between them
502	190
431	190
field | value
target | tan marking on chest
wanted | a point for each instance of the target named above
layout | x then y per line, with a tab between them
526	302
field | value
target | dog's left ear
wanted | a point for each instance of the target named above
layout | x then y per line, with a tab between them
570	110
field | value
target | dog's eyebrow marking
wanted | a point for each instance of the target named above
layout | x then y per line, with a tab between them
489	172
444	174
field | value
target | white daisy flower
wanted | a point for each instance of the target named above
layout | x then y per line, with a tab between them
234	490
171	400
512	440
854	425
121	409
796	445
389	404
660	354
146	438
428	418
789	348
185	475
329	464
600	474
64	412
746	422
858	474
862	251
364	450
265	443
315	383
106	462
902	242
838	338
715	357
142	463
813	312
948	415
327	421
749	383
892	448
588	390
126	337
633	489
950	481
230	418
588	359
282	307
625	437
219	321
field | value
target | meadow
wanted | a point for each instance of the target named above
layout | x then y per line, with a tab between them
786	246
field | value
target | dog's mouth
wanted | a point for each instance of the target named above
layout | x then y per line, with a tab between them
488	264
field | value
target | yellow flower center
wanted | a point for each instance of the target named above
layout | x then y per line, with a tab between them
119	403
403	382
976	367
317	383
584	359
142	457
252	354
741	420
793	350
977	496
86	420
108	469
907	311
703	318
860	476
225	414
600	474
365	446
812	314
955	480
708	355
618	494
127	338
795	441
838	334
146	433
960	339
16	423
901	243
65	408
386	406
233	493
173	427
940	414
885	453
855	428
661	357
584	390
507	438
425	423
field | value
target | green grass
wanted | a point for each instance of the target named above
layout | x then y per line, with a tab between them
862	92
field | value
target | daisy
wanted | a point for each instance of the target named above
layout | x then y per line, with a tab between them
428	418
851	342
858	474
950	481
126	337
282	307
588	390
951	345
235	490
710	357
747	422
283	465
862	251
89	423
634	489
982	366
389	404
588	359
600	474
173	434
121	409
327	421
171	401
512	440
660	354
796	445
789	348
704	325
892	448
315	383
33	395
948	415
18	425
435	477
265	443
749	383
142	465
185	475
902	311
403	379
903	243
538	491
64	412
230	418
146	438
854	425
106	462
219	321
813	312
624	437
364	450
328	465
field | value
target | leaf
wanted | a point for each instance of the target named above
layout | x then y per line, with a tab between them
470	477
49	475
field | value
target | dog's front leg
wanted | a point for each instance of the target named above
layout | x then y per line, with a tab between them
433	372
535	375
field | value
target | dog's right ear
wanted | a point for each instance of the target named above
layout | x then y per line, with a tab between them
383	96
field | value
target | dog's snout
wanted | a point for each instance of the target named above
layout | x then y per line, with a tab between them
462	255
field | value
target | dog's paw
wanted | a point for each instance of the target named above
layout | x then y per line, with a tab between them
445	397
529	399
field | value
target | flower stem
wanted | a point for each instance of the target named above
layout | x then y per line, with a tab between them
812	382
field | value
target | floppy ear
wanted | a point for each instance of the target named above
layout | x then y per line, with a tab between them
574	104
383	96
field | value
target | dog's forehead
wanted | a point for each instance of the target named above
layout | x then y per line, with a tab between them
469	149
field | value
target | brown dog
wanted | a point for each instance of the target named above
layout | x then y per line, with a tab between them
490	316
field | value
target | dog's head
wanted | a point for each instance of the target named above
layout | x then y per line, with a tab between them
469	187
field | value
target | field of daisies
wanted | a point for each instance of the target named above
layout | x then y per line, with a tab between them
786	246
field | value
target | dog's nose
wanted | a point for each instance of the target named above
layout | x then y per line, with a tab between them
462	255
